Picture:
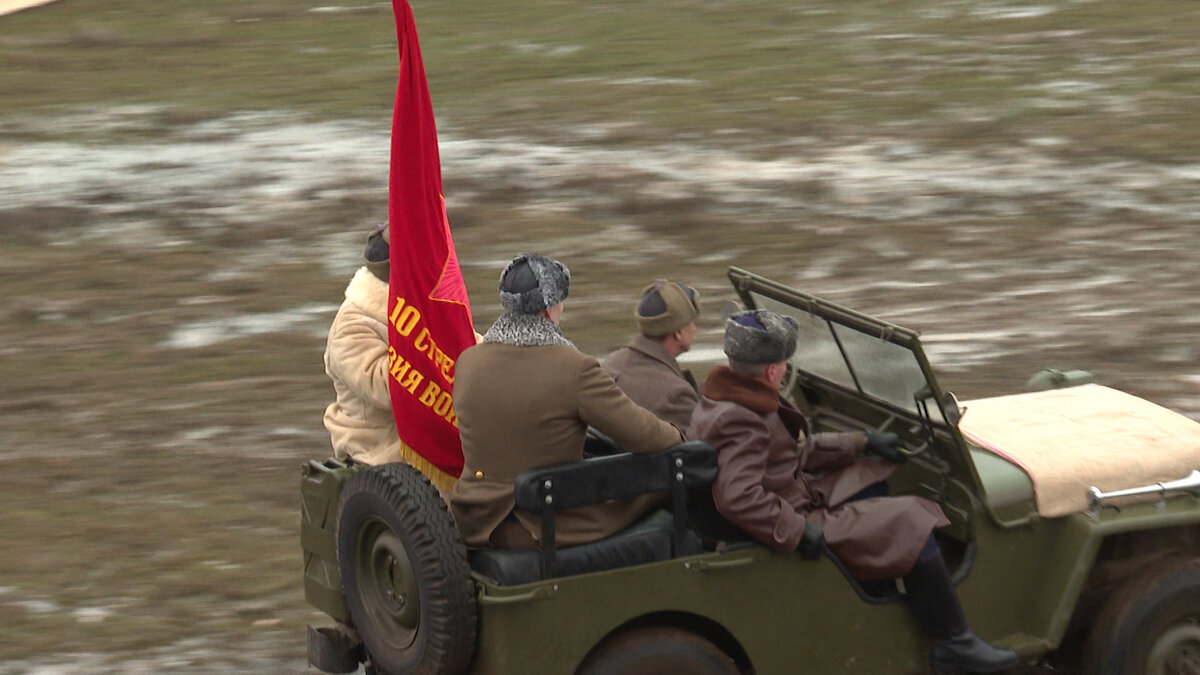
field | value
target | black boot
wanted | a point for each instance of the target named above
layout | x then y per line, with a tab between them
970	653
954	648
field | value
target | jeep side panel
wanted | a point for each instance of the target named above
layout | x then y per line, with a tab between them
1026	581
775	606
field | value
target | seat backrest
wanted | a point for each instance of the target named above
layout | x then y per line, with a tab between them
599	479
707	521
546	490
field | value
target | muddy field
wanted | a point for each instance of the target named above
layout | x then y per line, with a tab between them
184	192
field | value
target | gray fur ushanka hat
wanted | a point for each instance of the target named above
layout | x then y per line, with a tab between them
760	336
532	283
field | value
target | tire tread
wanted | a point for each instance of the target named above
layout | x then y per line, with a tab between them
438	555
1118	635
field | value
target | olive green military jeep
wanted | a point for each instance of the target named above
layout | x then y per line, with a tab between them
1113	587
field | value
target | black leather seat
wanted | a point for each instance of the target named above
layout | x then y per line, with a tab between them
661	535
646	541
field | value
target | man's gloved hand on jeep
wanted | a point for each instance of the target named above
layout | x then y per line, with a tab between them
886	445
812	542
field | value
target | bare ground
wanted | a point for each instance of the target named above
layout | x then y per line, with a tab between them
169	269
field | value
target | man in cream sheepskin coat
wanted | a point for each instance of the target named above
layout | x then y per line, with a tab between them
360	422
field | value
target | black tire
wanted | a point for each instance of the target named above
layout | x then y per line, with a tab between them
1151	626
657	651
404	573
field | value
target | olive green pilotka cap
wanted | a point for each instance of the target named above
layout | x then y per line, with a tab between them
377	253
665	307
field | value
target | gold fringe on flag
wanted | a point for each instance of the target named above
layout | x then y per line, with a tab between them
440	479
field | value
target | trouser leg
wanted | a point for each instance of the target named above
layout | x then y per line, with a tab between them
872	491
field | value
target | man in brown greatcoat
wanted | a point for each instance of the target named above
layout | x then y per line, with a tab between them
646	369
803	495
524	398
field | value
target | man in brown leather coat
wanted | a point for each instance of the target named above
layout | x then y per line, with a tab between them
646	369
525	397
795	490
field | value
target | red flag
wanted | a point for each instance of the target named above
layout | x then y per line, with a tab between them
429	319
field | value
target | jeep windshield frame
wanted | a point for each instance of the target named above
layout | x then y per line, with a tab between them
841	349
861	373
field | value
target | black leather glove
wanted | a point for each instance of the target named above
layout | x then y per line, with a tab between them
886	445
812	542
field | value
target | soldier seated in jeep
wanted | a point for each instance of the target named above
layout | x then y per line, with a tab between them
762	486
525	397
646	369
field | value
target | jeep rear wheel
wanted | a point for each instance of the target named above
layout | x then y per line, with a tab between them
404	573
1151	626
657	651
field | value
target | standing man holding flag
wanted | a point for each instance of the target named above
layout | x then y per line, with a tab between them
402	617
360	422
426	316
429	318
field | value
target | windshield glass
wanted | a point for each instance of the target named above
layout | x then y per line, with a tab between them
858	361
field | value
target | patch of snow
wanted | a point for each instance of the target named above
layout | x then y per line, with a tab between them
264	163
91	614
38	606
702	355
213	331
994	12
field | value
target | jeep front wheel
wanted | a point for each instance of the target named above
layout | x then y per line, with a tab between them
404	573
657	651
1151	626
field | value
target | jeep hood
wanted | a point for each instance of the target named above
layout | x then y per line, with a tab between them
1068	440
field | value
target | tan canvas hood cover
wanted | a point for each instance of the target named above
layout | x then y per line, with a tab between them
1070	439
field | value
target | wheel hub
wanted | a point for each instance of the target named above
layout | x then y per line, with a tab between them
1177	651
388	583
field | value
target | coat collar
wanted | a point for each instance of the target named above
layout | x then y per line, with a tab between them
723	384
369	293
654	350
526	330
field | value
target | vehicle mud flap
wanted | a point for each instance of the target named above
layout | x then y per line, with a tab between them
334	650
